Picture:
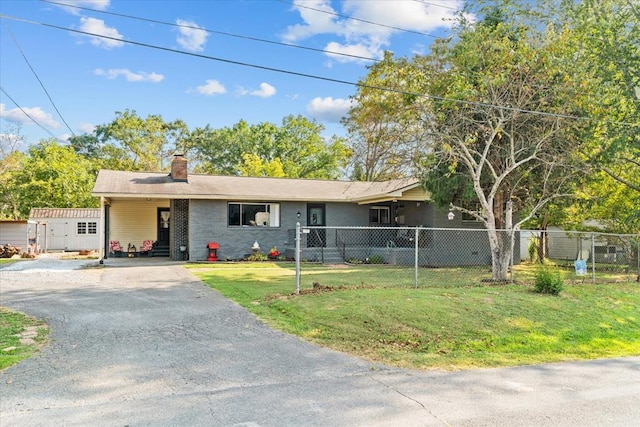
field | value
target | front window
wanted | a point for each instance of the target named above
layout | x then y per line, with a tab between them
82	228
254	214
379	215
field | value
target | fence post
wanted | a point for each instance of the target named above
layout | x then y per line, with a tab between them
512	240
297	258
593	257
415	274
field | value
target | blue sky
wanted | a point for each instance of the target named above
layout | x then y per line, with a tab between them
90	78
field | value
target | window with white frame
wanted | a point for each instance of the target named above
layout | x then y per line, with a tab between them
253	214
87	227
379	215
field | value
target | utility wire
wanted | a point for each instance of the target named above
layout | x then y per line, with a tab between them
313	76
358	19
38	78
29	115
436	5
222	33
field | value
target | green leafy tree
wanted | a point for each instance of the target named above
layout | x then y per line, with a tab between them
602	50
295	149
513	159
104	155
607	47
149	143
11	160
487	153
382	125
254	165
52	175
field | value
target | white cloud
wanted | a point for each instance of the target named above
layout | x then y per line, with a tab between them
212	87
86	127
15	115
363	38
92	4
191	37
97	26
314	22
130	76
356	50
265	91
405	14
329	109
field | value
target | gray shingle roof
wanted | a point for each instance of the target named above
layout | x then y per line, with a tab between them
159	185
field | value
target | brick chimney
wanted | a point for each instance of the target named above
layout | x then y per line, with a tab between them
179	168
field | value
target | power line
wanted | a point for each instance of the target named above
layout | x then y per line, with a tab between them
29	116
38	78
312	76
358	19
436	5
222	33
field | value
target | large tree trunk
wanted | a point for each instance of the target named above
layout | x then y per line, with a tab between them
501	242
543	242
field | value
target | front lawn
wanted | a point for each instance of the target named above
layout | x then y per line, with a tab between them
452	322
20	336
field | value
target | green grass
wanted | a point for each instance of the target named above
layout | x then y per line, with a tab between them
12	324
452	321
7	261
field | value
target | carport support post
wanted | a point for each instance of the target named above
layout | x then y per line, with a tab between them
103	230
297	258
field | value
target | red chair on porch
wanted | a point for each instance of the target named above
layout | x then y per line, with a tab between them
147	247
115	248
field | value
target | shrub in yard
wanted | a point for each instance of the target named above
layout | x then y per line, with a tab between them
258	256
533	248
548	281
375	259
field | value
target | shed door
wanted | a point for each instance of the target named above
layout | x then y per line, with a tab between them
59	234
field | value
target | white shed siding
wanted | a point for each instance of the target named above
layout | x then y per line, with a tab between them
15	233
61	225
62	234
134	221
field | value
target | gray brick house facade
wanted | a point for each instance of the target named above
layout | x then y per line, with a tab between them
235	212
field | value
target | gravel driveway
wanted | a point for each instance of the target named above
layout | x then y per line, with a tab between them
146	343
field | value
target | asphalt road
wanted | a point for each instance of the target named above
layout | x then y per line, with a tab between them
149	345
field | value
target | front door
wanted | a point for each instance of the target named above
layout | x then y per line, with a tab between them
164	220
316	217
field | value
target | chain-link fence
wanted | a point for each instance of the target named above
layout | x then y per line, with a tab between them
420	256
